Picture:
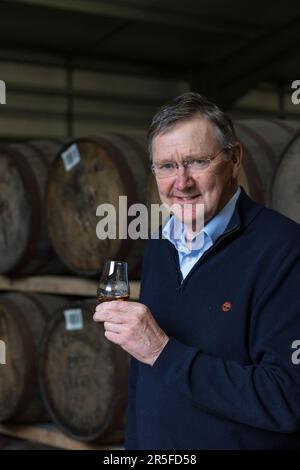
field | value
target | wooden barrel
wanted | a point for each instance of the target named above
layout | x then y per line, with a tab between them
86	173
83	376
22	320
24	243
5	441
9	443
285	187
263	142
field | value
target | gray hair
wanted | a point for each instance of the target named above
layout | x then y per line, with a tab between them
187	106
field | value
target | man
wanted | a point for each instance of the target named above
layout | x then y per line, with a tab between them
212	337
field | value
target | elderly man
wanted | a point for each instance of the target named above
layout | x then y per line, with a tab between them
212	337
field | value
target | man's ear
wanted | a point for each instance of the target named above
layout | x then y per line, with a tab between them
237	159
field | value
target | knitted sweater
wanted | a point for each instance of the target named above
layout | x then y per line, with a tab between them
226	378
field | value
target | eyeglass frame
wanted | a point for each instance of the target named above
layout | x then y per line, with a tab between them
185	163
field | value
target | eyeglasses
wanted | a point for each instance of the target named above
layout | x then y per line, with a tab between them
192	166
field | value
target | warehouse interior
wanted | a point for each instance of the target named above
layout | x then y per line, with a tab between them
79	74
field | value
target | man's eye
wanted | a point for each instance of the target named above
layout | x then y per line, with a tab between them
166	166
198	163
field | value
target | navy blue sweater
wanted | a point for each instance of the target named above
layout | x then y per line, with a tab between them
226	379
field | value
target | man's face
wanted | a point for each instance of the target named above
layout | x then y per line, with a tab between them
213	187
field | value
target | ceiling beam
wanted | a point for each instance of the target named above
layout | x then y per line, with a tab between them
90	63
149	14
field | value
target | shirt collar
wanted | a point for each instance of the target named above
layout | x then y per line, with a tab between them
217	225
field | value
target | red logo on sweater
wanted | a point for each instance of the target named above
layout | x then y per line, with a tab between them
226	306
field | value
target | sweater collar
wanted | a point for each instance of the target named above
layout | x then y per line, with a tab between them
245	211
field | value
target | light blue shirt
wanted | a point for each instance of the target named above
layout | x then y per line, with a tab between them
202	241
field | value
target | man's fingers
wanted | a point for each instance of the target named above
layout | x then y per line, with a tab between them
113	337
116	305
116	311
112	327
108	316
129	315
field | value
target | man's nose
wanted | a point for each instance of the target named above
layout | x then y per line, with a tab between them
183	179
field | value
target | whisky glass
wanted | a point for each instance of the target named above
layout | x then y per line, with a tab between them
113	284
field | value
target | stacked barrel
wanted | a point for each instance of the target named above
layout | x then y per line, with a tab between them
24	243
51	188
86	174
23	318
59	366
83	377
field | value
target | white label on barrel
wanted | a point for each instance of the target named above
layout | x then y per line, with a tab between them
73	319
71	157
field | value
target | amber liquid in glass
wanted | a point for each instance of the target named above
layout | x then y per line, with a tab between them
105	298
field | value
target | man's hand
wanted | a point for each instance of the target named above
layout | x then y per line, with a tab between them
132	326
